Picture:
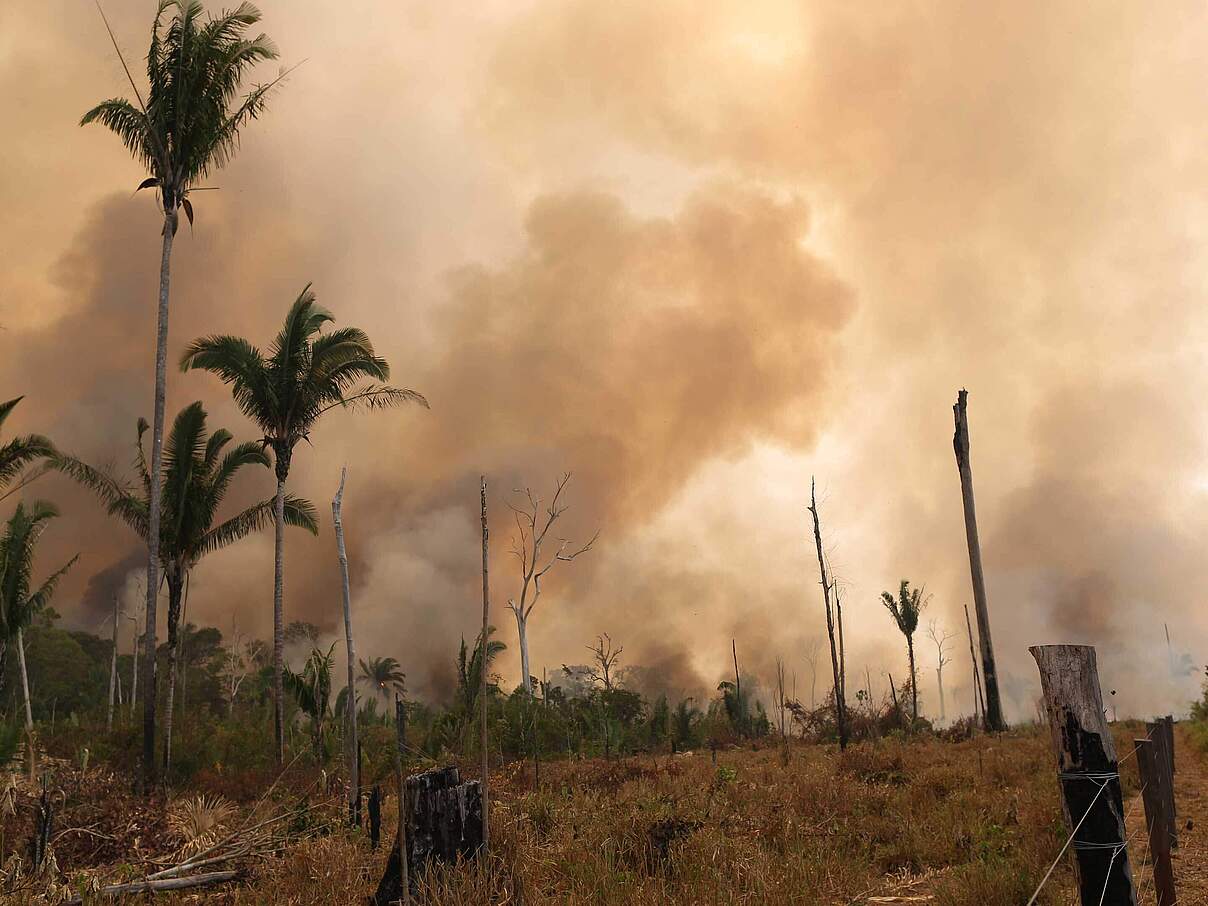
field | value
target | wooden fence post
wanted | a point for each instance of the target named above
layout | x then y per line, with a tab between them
1158	733
1088	772
1155	821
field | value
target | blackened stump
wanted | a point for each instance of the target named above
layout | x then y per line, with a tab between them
444	824
1088	772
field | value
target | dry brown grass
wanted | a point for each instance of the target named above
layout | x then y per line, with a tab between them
967	823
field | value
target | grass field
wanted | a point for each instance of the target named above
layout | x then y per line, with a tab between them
901	820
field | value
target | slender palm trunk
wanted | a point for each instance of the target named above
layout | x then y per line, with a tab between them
157	458
278	618
522	631
29	714
112	671
350	740
175	588
914	679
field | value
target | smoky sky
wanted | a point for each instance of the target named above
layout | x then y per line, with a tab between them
692	255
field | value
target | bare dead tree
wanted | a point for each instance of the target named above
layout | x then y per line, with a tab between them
827	588
606	658
960	443
942	639
235	666
533	524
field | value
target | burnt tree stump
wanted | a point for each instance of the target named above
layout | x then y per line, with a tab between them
444	824
1088	771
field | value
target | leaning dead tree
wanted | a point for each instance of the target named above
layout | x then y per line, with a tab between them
533	524
835	645
941	638
960	443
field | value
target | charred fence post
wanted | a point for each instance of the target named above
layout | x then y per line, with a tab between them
1088	771
39	843
1155	821
375	816
1160	735
444	824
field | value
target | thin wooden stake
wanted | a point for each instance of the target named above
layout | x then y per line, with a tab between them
482	685
1155	822
1163	764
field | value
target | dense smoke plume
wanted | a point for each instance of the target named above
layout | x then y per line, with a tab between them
692	254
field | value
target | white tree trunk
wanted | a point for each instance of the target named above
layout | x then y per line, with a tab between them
522	630
350	744
939	679
29	714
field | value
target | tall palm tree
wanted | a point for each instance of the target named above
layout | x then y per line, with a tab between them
383	675
305	374
197	473
188	127
19	452
905	610
20	602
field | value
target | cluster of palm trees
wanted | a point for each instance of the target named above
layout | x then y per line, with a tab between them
311	689
186	125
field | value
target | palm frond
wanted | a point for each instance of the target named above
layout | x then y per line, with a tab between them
379	397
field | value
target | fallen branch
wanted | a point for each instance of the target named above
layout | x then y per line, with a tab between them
202	880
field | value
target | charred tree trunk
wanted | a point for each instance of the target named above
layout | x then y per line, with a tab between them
960	443
443	824
979	705
175	579
1088	771
400	841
